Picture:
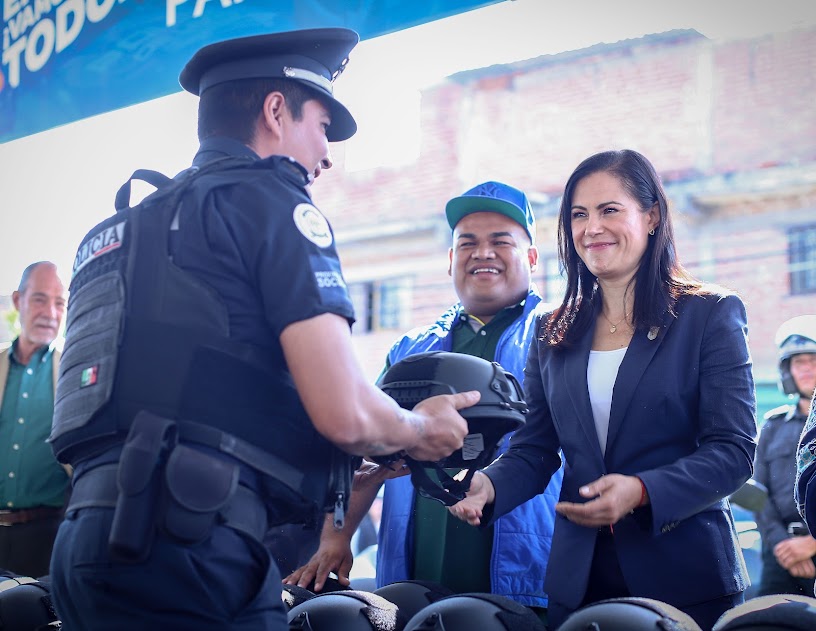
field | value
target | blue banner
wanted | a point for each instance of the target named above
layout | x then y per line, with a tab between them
64	60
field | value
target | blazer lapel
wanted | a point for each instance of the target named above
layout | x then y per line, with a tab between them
575	383
638	356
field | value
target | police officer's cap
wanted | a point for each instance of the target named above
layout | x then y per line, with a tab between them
312	57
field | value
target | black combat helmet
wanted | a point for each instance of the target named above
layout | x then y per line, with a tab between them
349	610
783	612
500	410
412	596
27	606
468	612
629	614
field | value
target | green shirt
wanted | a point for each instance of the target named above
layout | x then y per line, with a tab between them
447	550
29	474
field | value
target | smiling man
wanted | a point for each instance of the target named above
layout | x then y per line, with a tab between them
491	261
32	483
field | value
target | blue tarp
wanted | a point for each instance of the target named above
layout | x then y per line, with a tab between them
64	60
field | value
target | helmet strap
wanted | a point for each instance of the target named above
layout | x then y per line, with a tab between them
448	491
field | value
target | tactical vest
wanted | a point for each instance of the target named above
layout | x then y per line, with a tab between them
143	334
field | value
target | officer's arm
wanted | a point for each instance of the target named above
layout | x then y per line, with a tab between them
770	523
334	553
353	413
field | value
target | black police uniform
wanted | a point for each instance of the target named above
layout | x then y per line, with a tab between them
269	267
175	405
775	468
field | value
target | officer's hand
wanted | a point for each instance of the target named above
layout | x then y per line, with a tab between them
443	430
615	496
481	493
371	474
333	555
396	469
791	551
803	569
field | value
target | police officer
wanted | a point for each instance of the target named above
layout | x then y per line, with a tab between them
788	551
209	389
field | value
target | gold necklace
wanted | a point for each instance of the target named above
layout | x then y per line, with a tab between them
613	326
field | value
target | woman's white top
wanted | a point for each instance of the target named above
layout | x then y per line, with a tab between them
602	371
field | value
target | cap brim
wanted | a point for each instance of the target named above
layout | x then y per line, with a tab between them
459	207
343	126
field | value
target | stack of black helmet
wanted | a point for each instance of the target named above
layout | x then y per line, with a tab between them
25	603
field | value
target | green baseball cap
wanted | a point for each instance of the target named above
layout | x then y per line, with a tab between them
493	197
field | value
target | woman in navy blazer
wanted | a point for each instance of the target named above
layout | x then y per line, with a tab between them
642	380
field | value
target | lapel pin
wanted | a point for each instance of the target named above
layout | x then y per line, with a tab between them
653	333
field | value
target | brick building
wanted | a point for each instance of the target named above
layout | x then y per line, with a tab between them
731	127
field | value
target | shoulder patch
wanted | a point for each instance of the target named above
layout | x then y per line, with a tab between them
781	410
96	245
313	225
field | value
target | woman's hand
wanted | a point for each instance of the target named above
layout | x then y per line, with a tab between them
481	492
615	496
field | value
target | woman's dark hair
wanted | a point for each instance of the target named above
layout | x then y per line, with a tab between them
232	108
660	279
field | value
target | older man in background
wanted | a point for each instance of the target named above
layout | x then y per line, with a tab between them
32	483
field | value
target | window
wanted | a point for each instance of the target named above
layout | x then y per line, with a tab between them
802	258
381	304
555	283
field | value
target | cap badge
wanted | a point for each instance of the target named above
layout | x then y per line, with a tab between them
309	77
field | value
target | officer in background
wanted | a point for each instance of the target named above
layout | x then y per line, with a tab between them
788	551
209	389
